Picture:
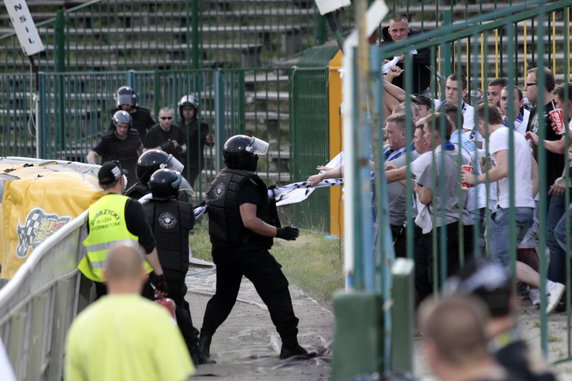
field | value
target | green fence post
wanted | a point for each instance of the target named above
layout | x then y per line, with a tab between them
220	135
402	317
41	126
446	51
60	67
196	49
320	31
242	102
131	79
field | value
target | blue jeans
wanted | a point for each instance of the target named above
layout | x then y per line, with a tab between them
500	232
560	236
557	267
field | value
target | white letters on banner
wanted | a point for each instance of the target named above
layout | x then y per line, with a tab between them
24	26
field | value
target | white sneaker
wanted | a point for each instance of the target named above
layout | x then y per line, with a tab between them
534	296
555	291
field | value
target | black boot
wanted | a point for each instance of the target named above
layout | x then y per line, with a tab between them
205	349
290	347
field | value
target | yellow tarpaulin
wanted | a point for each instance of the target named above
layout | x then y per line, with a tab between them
38	201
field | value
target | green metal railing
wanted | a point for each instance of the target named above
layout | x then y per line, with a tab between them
450	47
66	117
169	34
109	35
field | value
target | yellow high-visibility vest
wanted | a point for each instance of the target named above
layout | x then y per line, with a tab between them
107	227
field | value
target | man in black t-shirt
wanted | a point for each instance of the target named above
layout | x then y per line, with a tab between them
122	144
166	136
554	142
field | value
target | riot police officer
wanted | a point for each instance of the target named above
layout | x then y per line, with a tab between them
147	164
171	222
197	136
242	224
126	100
122	144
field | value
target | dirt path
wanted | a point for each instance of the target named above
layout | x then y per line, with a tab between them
246	346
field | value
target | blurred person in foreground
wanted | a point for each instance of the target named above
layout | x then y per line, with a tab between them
492	283
124	336
455	341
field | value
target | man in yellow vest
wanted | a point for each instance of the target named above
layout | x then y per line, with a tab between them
114	218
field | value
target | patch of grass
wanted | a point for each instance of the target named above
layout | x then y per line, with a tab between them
312	262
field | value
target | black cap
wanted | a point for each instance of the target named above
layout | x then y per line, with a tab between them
421	100
110	172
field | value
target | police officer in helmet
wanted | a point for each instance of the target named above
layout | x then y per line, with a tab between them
242	225
171	221
197	134
122	144
147	164
126	100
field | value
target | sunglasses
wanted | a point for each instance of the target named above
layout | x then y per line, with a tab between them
165	117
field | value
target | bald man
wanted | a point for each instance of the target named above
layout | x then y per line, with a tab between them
123	336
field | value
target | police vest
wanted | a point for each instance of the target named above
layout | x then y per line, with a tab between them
225	224
171	222
137	190
107	227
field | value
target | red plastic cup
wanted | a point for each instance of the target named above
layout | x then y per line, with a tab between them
466	168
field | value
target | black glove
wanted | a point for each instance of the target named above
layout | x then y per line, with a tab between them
289	233
159	283
167	146
178	149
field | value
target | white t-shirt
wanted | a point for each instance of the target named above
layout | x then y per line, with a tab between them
498	141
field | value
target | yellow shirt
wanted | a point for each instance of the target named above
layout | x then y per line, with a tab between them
126	337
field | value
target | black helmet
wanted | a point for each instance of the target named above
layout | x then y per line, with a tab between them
155	159
164	184
125	95
240	152
188	100
487	280
121	117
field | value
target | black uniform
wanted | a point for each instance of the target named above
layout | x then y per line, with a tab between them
420	64
196	133
156	137
239	252
112	148
171	221
141	120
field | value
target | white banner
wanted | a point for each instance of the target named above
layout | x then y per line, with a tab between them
24	26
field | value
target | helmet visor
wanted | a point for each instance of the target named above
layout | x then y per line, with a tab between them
173	164
257	147
125	99
186	187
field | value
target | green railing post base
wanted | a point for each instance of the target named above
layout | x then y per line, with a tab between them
402	316
358	338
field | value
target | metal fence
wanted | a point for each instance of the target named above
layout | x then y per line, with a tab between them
460	48
66	116
170	34
39	303
111	35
